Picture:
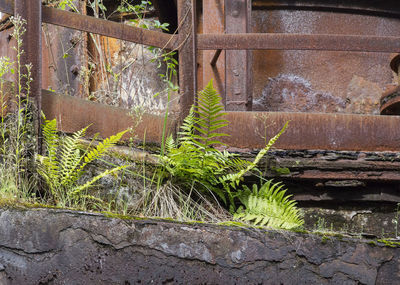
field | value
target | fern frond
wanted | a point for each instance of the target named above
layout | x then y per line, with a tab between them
268	206
50	165
185	135
209	111
79	189
237	176
169	144
50	138
70	157
101	148
64	164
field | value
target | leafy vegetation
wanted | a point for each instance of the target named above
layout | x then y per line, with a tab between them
194	161
64	164
268	206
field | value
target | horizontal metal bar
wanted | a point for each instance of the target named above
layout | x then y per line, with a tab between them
108	28
99	26
73	113
314	131
278	41
388	8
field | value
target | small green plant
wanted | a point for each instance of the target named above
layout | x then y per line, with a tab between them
194	162
65	163
268	206
17	139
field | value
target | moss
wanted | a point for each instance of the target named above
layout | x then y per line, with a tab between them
300	231
325	239
389	243
372	243
233	224
23	205
120	216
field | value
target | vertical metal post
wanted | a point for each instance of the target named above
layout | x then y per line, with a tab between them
214	61
31	11
238	75
187	63
194	45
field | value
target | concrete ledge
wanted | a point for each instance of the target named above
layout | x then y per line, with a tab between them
42	246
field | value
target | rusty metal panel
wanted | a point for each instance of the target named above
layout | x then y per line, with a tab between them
73	113
238	73
279	41
108	28
314	131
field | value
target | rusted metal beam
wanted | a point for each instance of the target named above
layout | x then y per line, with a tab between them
194	45
388	8
279	41
315	131
215	57
73	113
108	28
30	10
213	23
187	63
238	73
99	26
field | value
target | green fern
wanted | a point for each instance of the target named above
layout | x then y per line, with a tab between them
185	135
234	179
268	206
64	163
194	160
210	118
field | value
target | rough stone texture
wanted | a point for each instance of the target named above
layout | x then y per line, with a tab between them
62	247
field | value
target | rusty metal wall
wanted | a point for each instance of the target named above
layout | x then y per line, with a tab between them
317	81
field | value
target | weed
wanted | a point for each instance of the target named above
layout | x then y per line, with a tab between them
16	136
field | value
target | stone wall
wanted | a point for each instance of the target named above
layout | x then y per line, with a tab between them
42	246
